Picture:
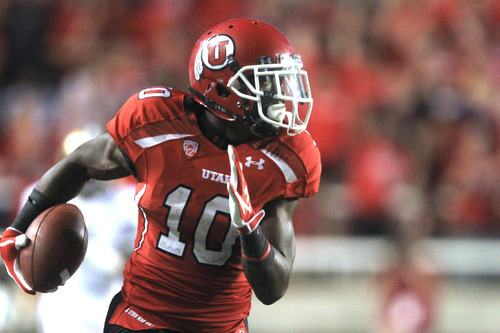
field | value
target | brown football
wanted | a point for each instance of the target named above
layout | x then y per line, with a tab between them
57	247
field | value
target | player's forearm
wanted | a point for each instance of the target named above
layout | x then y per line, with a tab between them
269	283
58	185
267	269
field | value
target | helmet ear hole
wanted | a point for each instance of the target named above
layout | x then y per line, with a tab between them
222	91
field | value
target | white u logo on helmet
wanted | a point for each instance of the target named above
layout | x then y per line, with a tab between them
213	54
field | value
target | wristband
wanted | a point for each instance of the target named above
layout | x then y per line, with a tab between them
256	248
37	203
261	262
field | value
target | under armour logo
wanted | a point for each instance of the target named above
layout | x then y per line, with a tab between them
258	164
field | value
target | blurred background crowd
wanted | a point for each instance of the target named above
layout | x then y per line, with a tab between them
406	105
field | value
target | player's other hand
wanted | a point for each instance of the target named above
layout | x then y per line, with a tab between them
243	215
11	243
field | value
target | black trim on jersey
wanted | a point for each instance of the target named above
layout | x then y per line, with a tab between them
129	162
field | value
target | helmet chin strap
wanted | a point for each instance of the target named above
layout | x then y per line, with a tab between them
212	105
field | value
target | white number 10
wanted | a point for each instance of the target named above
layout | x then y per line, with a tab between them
176	201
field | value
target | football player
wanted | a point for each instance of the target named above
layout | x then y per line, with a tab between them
219	173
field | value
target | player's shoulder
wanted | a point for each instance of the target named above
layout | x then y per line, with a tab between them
155	103
300	147
303	145
155	110
297	156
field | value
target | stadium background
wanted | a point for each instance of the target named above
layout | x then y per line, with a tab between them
405	228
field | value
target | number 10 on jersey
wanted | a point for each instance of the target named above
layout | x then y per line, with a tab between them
176	202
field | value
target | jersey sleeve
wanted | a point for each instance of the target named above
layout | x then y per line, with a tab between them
123	124
306	161
151	113
297	167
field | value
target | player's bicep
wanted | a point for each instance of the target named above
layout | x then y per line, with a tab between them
278	226
101	158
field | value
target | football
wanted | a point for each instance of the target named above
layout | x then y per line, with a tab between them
57	247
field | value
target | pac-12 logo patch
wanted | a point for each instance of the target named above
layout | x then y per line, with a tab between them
190	148
213	54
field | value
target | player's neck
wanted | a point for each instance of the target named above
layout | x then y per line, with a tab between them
220	132
212	133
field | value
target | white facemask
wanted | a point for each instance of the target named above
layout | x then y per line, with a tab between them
285	84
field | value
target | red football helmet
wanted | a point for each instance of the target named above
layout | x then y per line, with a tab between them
246	69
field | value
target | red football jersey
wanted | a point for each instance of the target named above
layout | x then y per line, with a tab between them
185	273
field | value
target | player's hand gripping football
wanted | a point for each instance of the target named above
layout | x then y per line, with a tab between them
11	243
243	214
